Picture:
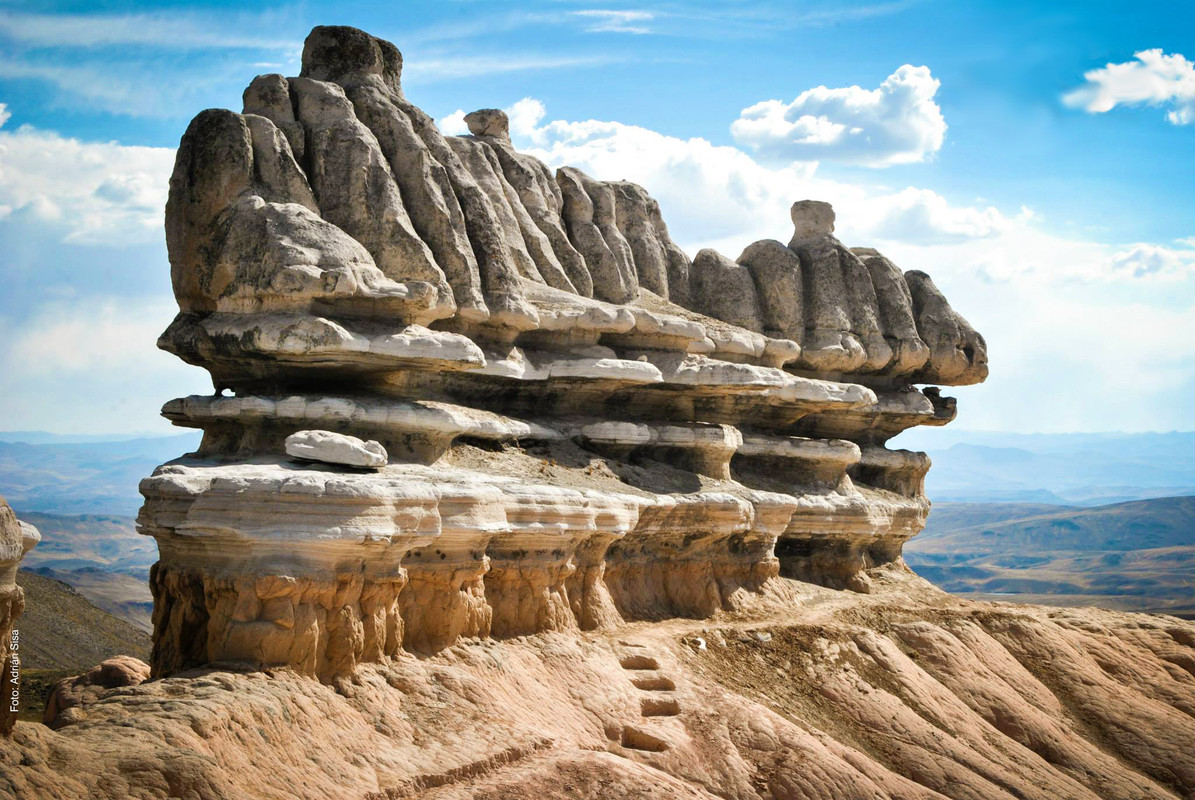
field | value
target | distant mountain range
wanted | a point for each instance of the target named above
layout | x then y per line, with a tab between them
1085	469
101	557
75	477
1138	555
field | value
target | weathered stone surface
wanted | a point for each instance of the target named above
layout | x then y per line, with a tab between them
428	191
16	539
335	448
895	313
636	213
958	354
588	226
269	96
356	190
901	693
540	198
725	290
831	344
67	702
776	271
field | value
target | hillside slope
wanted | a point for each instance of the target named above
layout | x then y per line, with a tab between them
1137	555
61	630
83	477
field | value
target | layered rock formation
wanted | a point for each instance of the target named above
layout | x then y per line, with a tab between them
16	539
474	399
347	271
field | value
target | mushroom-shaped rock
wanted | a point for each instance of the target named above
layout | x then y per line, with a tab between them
336	448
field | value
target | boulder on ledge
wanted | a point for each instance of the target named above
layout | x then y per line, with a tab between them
336	448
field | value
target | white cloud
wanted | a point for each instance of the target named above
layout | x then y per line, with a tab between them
600	20
1153	79
897	123
1150	260
95	192
175	30
427	70
88	336
92	364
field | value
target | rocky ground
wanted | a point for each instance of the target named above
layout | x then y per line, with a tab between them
807	693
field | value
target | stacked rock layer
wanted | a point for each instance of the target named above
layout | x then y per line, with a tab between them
16	539
583	426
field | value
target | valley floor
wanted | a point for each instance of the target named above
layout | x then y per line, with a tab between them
804	693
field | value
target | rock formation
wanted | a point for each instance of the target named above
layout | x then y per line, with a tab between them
16	539
634	514
346	270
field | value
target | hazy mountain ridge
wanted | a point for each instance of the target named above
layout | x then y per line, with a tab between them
1066	469
102	557
82	477
1137	555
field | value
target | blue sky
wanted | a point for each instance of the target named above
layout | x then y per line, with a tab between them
1037	162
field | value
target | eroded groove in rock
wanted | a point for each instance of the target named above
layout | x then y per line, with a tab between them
356	190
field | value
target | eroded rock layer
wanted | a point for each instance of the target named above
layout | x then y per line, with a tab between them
583	425
16	539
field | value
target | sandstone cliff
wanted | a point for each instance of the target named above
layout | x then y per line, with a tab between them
502	495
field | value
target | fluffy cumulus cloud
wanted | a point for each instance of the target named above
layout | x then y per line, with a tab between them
92	192
897	123
1153	78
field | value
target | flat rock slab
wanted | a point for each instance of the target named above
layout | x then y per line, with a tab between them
336	448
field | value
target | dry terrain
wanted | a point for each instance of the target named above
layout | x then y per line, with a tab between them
811	693
1134	556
